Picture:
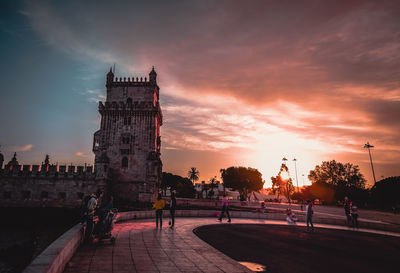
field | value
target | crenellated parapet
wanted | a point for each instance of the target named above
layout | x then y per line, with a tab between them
131	81
53	171
128	106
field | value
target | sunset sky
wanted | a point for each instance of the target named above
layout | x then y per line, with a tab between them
242	82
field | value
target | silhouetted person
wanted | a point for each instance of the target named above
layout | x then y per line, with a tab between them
172	207
309	213
262	207
347	211
159	206
225	208
91	210
354	214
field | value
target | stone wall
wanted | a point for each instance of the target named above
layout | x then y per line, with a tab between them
50	186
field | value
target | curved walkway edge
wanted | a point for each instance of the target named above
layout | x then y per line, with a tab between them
55	257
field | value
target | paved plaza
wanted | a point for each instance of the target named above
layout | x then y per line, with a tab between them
140	247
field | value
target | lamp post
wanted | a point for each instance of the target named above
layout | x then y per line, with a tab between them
369	146
295	168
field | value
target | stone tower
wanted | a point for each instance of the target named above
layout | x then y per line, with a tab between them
127	146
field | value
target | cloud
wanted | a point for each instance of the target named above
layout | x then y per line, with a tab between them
95	95
236	75
24	148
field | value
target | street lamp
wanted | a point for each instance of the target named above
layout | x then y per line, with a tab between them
297	180
368	146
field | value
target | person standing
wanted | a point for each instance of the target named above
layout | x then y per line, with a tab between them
172	207
225	208
354	214
309	213
91	210
159	206
347	211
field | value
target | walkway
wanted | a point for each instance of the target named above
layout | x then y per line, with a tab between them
139	247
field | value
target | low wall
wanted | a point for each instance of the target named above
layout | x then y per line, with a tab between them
55	257
277	215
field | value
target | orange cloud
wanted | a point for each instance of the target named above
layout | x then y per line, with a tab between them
23	148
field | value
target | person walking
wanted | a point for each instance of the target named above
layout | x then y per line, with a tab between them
347	211
354	214
309	213
159	206
225	208
172	207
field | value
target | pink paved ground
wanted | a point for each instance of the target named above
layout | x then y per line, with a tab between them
140	247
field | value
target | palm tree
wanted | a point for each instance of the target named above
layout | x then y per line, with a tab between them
193	174
213	183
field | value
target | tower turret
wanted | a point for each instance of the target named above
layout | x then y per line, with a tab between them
110	77
1	160
153	76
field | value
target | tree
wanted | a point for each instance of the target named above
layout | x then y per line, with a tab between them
336	174
182	185
193	174
242	179
168	181
213	183
386	193
282	185
337	178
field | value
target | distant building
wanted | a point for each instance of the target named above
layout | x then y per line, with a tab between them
204	190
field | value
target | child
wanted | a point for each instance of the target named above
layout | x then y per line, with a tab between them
291	217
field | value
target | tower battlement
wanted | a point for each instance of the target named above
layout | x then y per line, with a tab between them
46	185
131	81
63	171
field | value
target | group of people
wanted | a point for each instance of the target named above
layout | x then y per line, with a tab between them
92	207
351	212
159	206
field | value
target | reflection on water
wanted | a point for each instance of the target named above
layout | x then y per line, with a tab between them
254	267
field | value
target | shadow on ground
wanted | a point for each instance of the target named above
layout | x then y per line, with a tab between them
290	249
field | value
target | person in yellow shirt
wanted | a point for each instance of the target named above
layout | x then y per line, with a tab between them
159	206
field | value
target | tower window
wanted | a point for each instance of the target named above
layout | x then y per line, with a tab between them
79	195
26	195
125	140
124	162
44	195
62	195
129	100
7	195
